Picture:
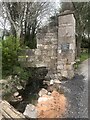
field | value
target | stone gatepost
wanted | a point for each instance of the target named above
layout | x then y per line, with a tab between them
66	45
55	48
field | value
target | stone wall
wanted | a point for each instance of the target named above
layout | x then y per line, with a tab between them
55	48
66	45
47	46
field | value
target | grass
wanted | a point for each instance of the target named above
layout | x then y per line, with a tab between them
84	56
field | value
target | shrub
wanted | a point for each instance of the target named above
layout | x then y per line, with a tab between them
11	66
10	47
21	72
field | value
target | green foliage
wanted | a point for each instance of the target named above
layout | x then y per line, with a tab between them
76	65
21	73
8	89
12	71
10	47
84	56
10	63
85	43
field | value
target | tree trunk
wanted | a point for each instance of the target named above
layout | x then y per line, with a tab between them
14	33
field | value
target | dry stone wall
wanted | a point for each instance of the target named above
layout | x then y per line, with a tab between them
55	48
48	49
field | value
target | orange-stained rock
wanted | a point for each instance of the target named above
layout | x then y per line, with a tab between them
53	107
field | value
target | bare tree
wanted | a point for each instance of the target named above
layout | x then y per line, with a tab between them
25	19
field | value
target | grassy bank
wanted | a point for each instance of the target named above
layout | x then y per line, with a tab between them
84	56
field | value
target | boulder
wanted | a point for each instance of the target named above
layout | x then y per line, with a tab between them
43	92
16	94
50	88
51	82
19	87
57	81
20	98
44	98
30	111
10	77
52	106
49	93
2	81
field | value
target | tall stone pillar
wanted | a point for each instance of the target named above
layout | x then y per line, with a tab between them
66	45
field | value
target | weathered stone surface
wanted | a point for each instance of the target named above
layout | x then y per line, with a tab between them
51	82
19	87
66	35
16	94
60	66
3	81
20	97
30	111
66	19
38	52
49	93
44	98
55	47
52	106
57	81
64	74
42	92
7	111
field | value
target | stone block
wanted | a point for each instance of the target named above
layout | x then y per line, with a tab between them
38	52
42	92
70	74
46	47
31	60
62	32
72	46
58	70
59	51
46	59
57	81
59	75
66	19
59	62
30	111
64	73
60	66
41	65
66	32
16	94
51	82
71	58
68	66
